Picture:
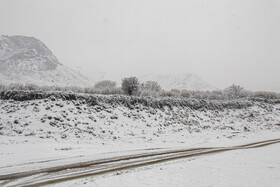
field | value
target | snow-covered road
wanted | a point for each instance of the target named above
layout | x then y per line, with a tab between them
24	175
256	167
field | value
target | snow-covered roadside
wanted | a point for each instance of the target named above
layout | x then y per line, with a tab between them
63	152
250	167
54	131
77	122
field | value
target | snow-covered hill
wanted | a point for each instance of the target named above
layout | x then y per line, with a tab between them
188	81
28	60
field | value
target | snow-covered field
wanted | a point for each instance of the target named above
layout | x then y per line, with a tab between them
64	130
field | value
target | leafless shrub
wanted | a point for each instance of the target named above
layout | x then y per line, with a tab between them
266	95
105	84
149	88
143	91
171	93
234	91
130	85
186	93
106	87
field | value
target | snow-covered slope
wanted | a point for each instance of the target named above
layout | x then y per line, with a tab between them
48	129
28	60
188	81
95	118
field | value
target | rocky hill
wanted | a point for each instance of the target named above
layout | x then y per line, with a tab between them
28	60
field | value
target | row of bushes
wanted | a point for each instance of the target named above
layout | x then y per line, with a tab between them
142	91
127	101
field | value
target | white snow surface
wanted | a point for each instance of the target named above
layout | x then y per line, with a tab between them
60	132
243	168
63	120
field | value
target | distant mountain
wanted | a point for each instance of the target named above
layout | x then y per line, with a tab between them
28	60
188	81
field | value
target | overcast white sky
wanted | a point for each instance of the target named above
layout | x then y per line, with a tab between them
223	41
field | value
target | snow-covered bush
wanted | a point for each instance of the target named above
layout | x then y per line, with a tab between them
130	85
130	102
106	87
234	91
171	93
216	95
266	95
201	94
149	88
184	94
31	87
164	93
90	90
2	87
105	84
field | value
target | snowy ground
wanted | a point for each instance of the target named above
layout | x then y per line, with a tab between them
76	122
66	131
253	167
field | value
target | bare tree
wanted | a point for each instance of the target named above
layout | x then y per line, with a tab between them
130	85
150	88
234	90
